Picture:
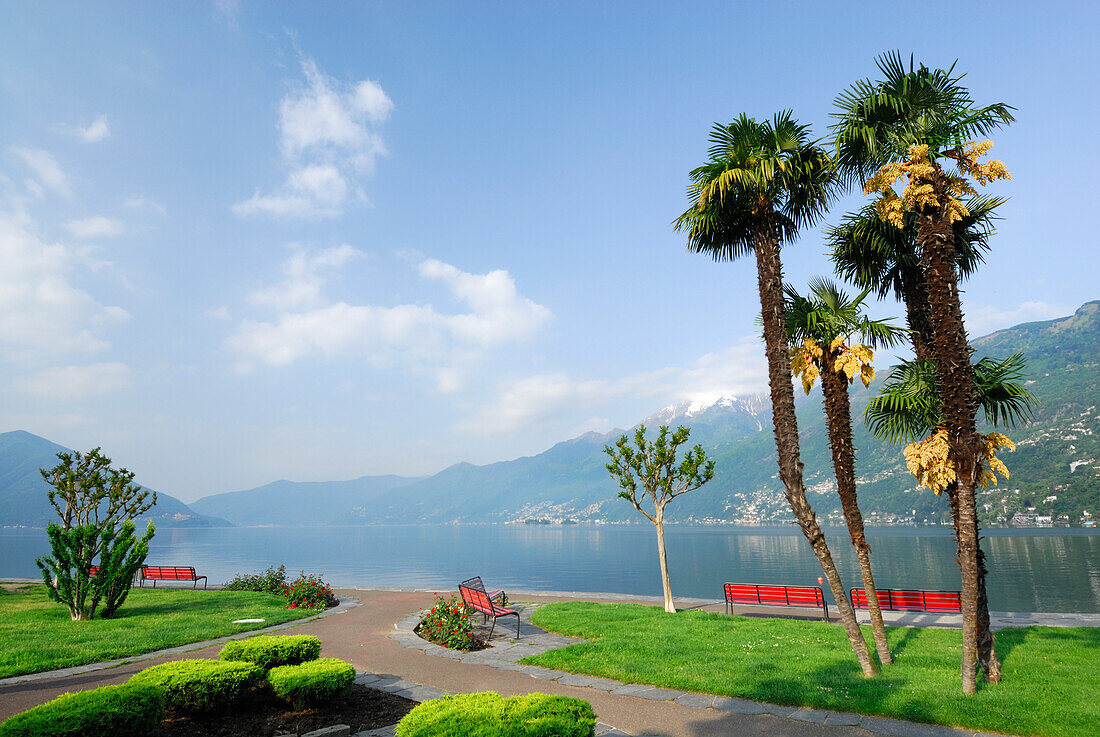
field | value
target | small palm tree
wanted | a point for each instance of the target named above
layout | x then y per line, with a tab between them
762	183
820	327
907	124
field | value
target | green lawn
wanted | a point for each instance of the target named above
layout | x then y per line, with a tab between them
1050	684
37	634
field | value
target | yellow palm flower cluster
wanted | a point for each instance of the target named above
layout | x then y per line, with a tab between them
930	462
919	192
850	360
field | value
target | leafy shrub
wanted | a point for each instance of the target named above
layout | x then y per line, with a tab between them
311	683
309	590
448	624
200	685
109	711
270	652
491	715
271	581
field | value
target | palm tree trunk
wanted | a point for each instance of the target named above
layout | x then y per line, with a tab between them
987	656
666	584
951	353
770	282
838	417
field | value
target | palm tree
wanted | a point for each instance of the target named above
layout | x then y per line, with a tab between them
820	327
762	182
907	124
875	254
909	407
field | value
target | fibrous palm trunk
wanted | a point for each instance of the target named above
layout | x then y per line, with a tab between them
838	418
951	354
770	281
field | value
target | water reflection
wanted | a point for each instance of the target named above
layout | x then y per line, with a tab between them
1042	570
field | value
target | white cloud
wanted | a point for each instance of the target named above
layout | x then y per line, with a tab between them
737	371
46	170
67	383
327	138
96	131
45	313
95	227
217	313
306	325
984	319
141	202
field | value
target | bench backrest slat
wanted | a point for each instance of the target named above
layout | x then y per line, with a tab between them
750	593
912	600
169	572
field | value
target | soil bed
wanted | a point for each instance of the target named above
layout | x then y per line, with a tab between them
264	714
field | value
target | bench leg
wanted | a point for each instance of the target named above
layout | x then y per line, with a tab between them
517	625
491	629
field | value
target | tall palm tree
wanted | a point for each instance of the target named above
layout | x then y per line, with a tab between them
909	123
762	182
872	253
820	327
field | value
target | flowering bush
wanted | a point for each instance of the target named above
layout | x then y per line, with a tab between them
448	624
273	581
308	590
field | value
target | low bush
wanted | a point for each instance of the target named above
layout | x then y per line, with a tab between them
448	624
491	715
270	652
271	581
311	683
197	686
109	711
308	590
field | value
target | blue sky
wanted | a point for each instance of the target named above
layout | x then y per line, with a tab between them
249	241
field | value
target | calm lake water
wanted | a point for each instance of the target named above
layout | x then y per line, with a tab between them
1031	570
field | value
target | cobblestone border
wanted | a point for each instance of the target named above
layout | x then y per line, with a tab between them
505	653
345	604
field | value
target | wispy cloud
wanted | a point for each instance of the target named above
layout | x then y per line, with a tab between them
143	203
305	324
228	12
95	131
95	227
66	383
984	319
45	170
327	138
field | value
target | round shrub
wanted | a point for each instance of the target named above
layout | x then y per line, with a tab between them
310	591
311	683
109	711
198	686
269	651
491	715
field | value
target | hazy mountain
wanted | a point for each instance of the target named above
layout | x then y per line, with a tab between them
23	498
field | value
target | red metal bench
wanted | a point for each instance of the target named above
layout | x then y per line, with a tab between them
911	600
768	595
479	601
170	573
475	583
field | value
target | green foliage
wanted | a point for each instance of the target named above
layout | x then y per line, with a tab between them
201	685
827	313
312	683
92	499
447	623
271	581
271	651
1049	672
491	715
109	711
308	590
654	465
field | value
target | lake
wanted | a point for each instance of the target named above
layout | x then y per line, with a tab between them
1031	570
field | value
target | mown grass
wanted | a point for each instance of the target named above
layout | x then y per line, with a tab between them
1050	684
37	635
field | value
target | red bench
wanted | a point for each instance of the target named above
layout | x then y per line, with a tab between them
479	601
911	600
767	595
497	596
170	573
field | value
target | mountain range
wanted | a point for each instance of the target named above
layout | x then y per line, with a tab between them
1054	469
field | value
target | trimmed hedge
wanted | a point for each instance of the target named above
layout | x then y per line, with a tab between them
200	685
311	683
491	715
270	652
109	711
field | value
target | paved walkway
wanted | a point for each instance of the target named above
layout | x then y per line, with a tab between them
376	638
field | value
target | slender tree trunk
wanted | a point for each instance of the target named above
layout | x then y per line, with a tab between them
951	353
770	282
987	657
838	417
666	583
